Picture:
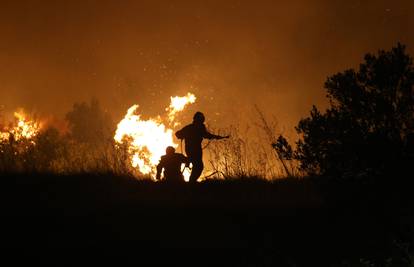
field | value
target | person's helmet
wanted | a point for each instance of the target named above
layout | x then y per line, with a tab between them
170	150
199	117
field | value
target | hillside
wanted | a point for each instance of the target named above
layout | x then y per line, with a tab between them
284	222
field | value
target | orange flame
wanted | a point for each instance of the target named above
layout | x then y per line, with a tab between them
178	104
24	128
147	139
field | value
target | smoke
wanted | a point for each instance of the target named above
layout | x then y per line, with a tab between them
231	54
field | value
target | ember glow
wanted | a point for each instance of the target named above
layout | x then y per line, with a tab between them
148	139
23	128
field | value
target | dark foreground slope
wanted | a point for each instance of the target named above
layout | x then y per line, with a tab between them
304	222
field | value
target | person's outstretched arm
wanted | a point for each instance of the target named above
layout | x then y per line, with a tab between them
209	135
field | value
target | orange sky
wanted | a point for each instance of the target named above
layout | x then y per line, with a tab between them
231	54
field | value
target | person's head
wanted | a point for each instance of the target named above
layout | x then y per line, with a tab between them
170	150
199	117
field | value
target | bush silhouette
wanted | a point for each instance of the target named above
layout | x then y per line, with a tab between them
369	125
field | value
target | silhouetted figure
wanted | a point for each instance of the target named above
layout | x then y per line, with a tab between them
171	164
193	134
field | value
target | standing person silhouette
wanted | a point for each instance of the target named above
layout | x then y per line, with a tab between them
193	134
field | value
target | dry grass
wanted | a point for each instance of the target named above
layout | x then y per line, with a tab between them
248	153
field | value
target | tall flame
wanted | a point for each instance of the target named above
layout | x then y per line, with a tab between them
178	104
24	128
147	139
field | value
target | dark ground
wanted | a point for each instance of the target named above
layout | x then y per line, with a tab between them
308	222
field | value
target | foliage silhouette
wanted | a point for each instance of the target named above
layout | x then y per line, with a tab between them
369	125
90	124
49	147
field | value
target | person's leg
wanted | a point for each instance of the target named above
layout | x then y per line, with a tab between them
176	178
197	169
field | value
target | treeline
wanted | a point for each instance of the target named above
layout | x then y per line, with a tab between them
87	147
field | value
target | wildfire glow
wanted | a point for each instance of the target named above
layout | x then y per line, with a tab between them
147	140
178	104
24	128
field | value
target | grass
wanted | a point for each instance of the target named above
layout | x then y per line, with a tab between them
287	222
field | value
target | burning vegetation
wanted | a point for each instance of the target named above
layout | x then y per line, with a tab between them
146	140
88	141
93	143
23	127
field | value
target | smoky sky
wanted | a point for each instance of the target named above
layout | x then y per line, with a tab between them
231	54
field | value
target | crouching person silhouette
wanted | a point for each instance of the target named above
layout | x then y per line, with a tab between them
193	134
170	165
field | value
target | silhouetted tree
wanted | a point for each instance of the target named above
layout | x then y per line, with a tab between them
370	122
283	148
90	124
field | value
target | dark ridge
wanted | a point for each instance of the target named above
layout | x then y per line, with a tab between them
303	222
